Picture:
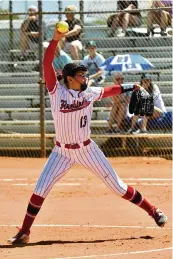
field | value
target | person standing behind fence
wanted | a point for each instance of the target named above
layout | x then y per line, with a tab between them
29	32
161	17
72	42
124	19
92	62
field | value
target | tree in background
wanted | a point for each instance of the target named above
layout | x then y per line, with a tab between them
4	15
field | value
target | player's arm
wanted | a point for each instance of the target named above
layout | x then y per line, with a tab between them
49	72
118	89
100	61
75	31
98	74
24	25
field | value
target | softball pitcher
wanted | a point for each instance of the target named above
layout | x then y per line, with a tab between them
71	105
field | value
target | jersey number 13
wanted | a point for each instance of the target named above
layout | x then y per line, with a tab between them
83	121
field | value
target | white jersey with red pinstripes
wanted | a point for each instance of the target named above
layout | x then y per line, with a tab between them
72	112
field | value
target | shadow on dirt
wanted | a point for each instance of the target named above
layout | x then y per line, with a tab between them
60	242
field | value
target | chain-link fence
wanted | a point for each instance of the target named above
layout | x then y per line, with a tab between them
26	124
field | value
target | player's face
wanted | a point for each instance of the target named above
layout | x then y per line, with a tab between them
76	81
31	12
92	50
69	16
119	80
146	83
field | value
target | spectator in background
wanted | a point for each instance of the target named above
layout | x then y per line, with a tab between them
29	32
159	107
72	41
92	62
161	17
61	58
119	107
125	19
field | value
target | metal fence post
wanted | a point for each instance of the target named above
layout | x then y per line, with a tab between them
42	89
60	10
81	9
11	24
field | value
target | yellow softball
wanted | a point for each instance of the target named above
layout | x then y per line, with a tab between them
62	27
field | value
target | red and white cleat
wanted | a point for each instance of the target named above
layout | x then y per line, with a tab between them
159	217
20	238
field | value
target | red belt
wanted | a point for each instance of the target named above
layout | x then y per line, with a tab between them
74	146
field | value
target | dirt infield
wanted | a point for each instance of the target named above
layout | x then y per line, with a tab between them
82	218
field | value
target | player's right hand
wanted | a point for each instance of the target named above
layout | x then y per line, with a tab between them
32	18
137	87
57	35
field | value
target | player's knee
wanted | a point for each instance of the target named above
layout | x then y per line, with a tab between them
73	48
39	191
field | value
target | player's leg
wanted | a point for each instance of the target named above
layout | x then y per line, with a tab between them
121	115
152	18
130	19
94	159
164	22
114	112
75	47
24	42
116	21
56	167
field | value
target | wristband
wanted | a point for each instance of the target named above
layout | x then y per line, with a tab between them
125	89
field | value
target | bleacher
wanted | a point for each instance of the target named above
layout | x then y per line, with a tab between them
20	100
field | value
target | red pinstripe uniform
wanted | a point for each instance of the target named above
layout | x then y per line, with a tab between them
72	112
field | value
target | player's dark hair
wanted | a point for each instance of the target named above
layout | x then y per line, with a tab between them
59	75
71	69
150	89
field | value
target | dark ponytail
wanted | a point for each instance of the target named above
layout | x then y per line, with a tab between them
151	87
59	75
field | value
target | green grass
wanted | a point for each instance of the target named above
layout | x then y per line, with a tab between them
4	16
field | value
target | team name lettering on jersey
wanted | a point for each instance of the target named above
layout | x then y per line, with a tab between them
76	105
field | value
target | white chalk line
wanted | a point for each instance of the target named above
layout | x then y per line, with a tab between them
99	226
57	184
65	183
118	254
13	179
78	184
84	179
148	179
154	184
35	179
86	226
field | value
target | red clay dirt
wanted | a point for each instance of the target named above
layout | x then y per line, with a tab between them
85	219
